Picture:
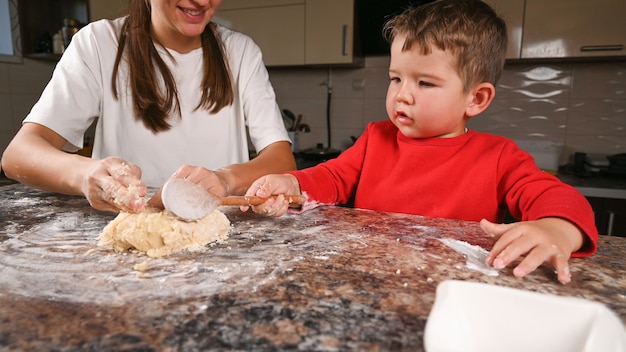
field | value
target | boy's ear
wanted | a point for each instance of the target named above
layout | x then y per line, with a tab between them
482	95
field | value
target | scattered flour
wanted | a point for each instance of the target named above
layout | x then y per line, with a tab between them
476	255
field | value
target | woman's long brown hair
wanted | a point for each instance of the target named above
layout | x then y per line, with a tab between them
152	105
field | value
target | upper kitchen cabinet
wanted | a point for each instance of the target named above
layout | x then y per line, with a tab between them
329	32
277	26
566	28
295	32
512	11
110	9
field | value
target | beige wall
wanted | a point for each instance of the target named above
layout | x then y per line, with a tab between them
579	105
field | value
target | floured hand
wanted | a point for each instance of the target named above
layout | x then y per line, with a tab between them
115	185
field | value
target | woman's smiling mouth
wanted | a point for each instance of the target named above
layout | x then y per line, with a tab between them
192	12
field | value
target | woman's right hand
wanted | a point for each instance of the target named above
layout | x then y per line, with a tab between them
34	158
115	185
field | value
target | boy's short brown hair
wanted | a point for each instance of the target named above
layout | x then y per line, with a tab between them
470	29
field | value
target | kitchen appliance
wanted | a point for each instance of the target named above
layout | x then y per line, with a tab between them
617	164
589	164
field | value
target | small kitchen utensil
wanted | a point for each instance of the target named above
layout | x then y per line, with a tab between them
190	201
296	126
291	117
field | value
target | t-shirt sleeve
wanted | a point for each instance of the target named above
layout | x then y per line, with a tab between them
258	99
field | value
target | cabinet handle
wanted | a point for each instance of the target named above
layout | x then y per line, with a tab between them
602	47
344	41
609	228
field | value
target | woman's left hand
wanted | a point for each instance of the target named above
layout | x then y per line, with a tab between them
210	180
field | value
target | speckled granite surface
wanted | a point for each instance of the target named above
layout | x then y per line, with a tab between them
330	279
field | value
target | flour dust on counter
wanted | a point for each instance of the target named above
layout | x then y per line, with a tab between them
335	278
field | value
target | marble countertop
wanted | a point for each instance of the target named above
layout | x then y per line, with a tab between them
331	279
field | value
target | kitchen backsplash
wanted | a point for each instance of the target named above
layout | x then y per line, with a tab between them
581	106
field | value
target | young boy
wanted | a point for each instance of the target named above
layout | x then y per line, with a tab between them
446	57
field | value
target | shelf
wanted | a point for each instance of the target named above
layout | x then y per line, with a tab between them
38	17
44	56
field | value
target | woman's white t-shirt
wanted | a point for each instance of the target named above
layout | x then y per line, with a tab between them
80	93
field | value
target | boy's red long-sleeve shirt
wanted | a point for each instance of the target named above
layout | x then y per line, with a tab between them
470	177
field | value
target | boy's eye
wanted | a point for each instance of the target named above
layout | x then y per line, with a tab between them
426	84
394	79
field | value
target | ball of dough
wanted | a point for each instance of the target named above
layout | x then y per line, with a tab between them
158	233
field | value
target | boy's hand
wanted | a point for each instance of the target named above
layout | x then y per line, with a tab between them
549	239
270	185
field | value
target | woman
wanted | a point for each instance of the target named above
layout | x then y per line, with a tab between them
166	88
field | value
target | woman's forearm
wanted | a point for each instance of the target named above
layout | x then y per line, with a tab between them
34	158
275	158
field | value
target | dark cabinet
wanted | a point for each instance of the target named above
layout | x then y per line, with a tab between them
41	19
610	214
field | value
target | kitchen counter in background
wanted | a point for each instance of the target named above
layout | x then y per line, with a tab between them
331	279
595	184
607	195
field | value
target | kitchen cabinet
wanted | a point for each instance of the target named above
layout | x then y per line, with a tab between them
110	9
512	11
276	26
295	32
41	19
565	28
610	215
329	31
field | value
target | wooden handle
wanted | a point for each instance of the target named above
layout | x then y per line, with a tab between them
253	200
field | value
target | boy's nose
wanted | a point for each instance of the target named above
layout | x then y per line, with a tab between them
404	95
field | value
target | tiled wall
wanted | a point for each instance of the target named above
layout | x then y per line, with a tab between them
579	105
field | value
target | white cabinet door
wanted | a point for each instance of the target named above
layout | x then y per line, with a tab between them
512	11
278	30
329	31
574	28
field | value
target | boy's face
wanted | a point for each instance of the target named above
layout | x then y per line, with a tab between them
425	97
